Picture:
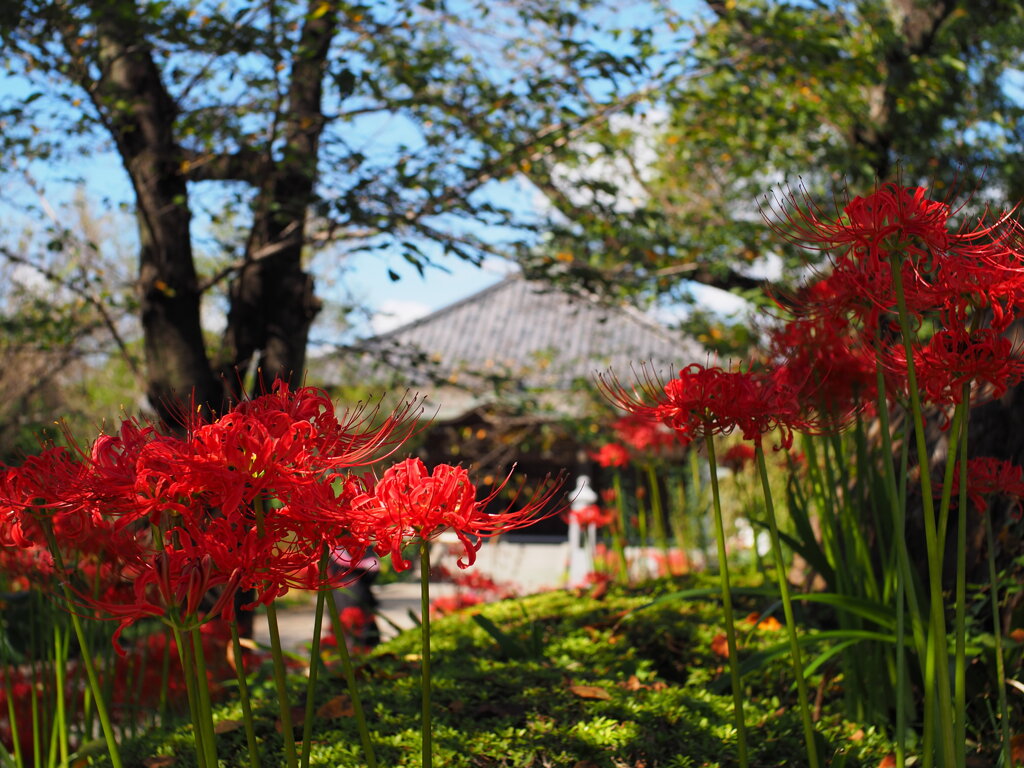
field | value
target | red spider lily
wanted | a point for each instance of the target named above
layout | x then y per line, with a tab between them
956	357
611	455
411	503
642	434
941	270
737	457
474	581
26	567
837	367
708	401
170	585
250	500
987	476
449	604
355	439
592	514
27	494
891	216
985	277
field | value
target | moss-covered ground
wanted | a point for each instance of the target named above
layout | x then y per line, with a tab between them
583	680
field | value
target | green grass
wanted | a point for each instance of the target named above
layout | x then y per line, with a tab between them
591	683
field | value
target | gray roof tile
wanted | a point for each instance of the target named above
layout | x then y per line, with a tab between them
531	333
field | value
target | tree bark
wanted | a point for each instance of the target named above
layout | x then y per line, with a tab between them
272	298
139	114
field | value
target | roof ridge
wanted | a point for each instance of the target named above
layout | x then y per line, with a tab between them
594	299
448	308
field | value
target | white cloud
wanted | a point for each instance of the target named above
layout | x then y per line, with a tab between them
628	172
498	266
31	280
395	312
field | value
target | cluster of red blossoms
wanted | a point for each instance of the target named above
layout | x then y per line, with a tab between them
988	477
250	501
712	401
960	288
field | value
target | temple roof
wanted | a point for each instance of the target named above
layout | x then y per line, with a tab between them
527	335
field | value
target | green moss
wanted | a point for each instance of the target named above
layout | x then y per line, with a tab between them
612	682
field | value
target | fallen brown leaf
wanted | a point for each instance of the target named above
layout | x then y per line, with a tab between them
227	726
158	761
590	692
634	684
720	645
339	706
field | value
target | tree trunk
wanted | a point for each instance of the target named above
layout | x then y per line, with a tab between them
272	299
140	114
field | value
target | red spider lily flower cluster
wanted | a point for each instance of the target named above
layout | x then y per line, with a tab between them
962	287
713	401
643	435
248	501
987	477
251	501
611	455
824	351
411	503
473	581
738	457
591	514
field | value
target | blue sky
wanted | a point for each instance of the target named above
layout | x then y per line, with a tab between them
361	277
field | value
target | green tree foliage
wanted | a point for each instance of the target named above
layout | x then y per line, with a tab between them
318	123
814	94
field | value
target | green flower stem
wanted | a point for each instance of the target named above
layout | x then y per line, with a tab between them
188	670
350	680
943	705
281	685
60	659
657	517
37	741
314	661
641	521
730	625
243	695
997	634
787	608
90	669
203	696
619	537
695	499
427	735
960	631
280	678
957	425
19	759
165	676
898	512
